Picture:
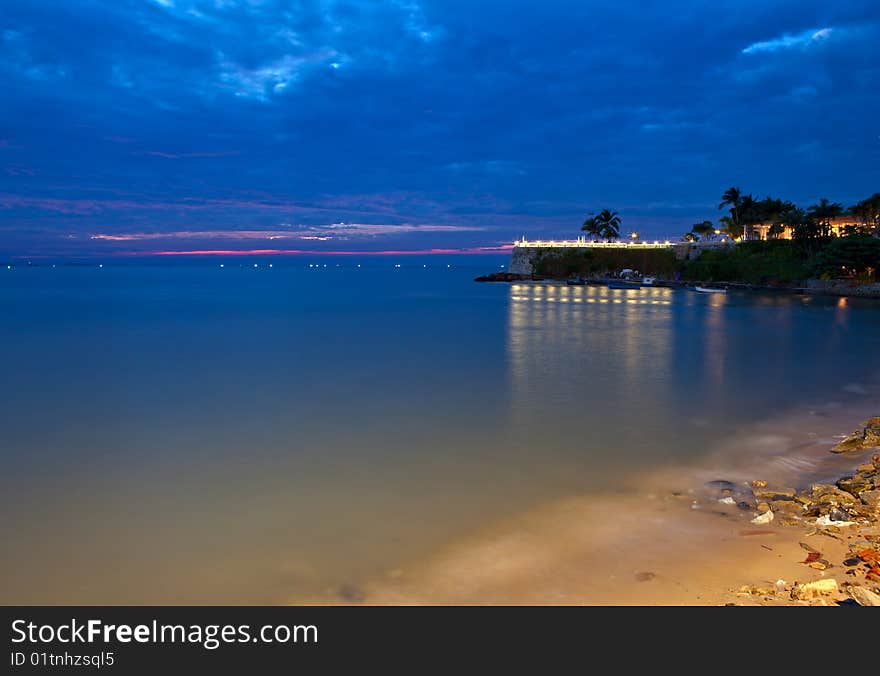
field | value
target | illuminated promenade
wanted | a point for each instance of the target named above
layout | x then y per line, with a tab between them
583	242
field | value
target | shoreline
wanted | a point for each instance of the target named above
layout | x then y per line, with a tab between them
814	287
671	537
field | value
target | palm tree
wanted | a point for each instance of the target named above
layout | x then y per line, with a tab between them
733	197
604	225
750	213
823	212
592	226
610	223
868	211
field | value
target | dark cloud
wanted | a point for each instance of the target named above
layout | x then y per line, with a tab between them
497	118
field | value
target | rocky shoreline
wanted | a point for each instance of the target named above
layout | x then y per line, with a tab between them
837	527
748	527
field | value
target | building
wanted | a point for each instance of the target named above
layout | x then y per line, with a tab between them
838	228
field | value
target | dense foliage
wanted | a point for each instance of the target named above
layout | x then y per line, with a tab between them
784	261
757	262
857	256
561	264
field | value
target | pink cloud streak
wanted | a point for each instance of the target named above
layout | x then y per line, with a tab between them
502	248
183	156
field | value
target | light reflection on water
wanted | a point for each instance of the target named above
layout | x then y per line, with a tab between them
195	435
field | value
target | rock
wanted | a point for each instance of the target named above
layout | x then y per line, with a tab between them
759	483
867	437
812	590
856	442
872	432
506	277
875	459
864	597
838	515
826	521
871	499
750	590
764	518
775	494
787	507
855	485
832	494
729	493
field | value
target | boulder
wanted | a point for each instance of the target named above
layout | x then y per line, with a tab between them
832	494
855	442
790	507
871	499
812	590
872	432
867	437
855	484
864	597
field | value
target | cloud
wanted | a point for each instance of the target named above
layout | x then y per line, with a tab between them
303	232
788	41
180	156
490	167
478	250
274	77
495	117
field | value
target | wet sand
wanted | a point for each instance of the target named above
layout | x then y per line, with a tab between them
658	539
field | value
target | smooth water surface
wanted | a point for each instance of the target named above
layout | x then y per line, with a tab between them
198	434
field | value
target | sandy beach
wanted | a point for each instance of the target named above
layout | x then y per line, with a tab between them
671	538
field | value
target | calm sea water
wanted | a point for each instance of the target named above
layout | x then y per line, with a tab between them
202	434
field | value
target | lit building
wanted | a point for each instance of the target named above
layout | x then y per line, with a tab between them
838	228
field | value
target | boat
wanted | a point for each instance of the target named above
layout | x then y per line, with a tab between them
576	281
709	289
623	284
649	281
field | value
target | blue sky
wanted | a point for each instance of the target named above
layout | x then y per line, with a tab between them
211	125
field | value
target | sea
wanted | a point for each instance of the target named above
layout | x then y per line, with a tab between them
269	430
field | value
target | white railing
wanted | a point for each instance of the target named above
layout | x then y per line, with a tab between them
582	242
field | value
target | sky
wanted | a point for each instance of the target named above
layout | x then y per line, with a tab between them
132	127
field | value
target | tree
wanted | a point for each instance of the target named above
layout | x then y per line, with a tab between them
749	214
690	237
732	197
849	256
775	230
823	212
592	227
868	211
604	225
703	230
730	228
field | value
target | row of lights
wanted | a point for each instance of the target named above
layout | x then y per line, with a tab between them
624	301
256	265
